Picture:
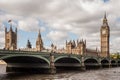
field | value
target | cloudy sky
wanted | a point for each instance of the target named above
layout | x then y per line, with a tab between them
61	20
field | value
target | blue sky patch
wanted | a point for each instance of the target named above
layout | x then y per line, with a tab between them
106	1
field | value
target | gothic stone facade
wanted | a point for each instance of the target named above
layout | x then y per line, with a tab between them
39	43
73	48
105	35
10	39
80	47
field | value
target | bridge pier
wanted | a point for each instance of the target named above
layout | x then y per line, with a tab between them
110	65
117	64
100	64
52	69
83	64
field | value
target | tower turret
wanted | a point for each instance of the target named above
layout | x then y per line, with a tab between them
16	30
39	42
29	44
10	38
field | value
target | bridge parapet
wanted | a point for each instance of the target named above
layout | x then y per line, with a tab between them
20	52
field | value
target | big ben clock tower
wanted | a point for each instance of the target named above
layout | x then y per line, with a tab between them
105	34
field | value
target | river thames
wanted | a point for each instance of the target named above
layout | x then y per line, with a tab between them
100	74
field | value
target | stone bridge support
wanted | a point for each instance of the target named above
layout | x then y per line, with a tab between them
110	65
118	62
82	63
52	69
99	62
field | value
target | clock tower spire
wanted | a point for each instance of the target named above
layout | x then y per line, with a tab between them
105	35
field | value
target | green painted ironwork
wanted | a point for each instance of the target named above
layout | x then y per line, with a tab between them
46	56
72	57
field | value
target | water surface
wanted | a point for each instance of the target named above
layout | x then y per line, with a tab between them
101	74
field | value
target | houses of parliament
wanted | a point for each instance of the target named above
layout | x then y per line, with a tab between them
72	47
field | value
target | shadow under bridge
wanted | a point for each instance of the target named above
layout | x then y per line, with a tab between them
65	62
91	63
105	63
26	63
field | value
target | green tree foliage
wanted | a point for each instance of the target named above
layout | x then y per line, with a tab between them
115	55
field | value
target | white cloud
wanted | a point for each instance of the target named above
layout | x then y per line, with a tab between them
2	34
57	36
29	24
81	17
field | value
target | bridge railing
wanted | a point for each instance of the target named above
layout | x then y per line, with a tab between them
21	52
2	52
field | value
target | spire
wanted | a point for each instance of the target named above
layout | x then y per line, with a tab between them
39	35
73	41
10	22
105	19
96	49
105	15
82	39
39	39
29	44
39	42
85	42
16	30
66	42
52	45
74	45
77	41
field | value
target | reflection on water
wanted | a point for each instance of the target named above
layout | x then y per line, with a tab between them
101	74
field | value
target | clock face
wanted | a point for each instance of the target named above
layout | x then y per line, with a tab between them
104	31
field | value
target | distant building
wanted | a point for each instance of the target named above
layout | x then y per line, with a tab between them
10	39
79	48
76	48
92	52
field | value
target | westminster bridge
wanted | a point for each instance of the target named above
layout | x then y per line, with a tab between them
53	61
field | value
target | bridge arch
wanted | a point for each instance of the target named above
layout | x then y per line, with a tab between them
26	63
118	62
65	61
86	58
105	63
61	57
91	63
34	56
113	63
